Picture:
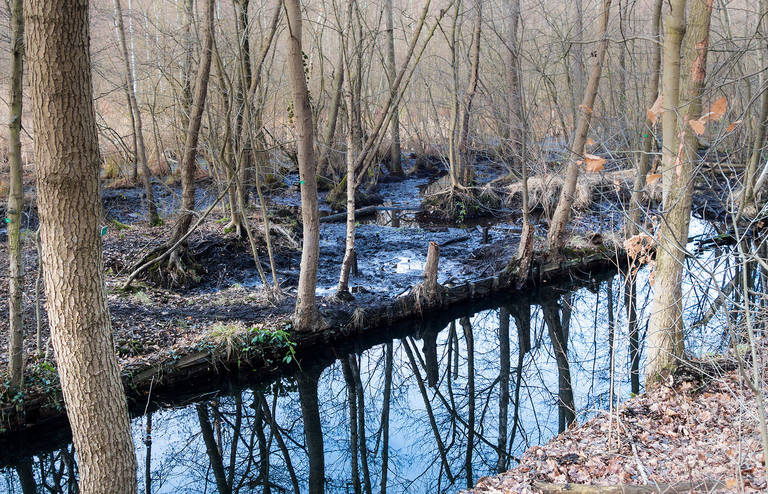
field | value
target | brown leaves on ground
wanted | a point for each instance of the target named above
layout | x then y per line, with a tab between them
690	432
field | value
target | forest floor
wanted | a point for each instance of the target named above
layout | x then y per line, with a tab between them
391	250
700	432
152	323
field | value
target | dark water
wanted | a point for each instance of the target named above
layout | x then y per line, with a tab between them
551	350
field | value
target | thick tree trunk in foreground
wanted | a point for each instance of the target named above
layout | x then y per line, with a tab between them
306	315
189	159
15	200
562	214
69	204
138	132
665	328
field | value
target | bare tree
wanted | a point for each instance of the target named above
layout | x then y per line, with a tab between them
69	204
306	316
682	105
15	200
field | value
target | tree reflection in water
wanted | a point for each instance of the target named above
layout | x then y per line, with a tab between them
429	411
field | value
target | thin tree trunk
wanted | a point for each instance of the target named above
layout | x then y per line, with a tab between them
501	461
354	139
665	327
212	449
385	416
470	339
189	159
313	431
353	440
556	235
69	204
141	149
466	160
750	175
644	160
15	201
395	165
324	168
306	315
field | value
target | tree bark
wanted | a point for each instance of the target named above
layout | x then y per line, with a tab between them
665	327
750	175
466	160
141	149
189	160
395	165
15	201
565	203
306	315
69	204
644	161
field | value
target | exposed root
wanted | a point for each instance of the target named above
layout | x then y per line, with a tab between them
458	205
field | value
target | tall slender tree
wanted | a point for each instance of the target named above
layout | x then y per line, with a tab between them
306	314
15	200
138	131
68	199
556	234
682	105
189	158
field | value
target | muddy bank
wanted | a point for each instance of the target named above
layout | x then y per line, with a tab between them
700	434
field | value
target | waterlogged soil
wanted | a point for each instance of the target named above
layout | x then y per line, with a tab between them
391	251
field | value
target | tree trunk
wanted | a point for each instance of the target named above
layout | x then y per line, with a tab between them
69	204
558	334
762	125
354	140
644	161
306	315
324	168
518	136
141	149
466	160
313	431
212	449
665	327
501	461
388	358
189	160
565	203
15	200
395	165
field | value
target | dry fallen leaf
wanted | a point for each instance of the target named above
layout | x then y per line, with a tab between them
733	125
717	110
594	163
697	126
652	177
590	142
656	110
